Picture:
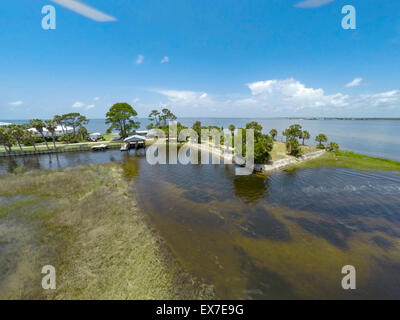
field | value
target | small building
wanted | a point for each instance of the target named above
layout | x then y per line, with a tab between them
95	136
134	142
59	132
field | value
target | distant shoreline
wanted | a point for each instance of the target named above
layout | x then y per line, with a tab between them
355	119
252	118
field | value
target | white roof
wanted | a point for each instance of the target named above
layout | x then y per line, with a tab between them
134	138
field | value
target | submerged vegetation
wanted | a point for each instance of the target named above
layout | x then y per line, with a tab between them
83	221
349	160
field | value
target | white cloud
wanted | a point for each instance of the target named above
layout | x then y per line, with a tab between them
139	59
280	97
186	98
355	83
16	103
78	104
96	98
312	3
90	106
164	59
383	99
85	10
290	94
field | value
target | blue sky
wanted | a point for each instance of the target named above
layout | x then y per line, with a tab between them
221	58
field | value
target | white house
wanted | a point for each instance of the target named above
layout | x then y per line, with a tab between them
60	131
4	124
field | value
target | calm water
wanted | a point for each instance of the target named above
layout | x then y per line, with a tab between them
287	235
379	138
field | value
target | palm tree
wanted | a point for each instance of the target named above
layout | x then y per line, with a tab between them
305	135
18	133
51	127
286	134
321	138
231	128
39	126
273	133
31	137
332	146
59	120
6	139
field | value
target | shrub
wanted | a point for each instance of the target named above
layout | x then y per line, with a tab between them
293	147
332	146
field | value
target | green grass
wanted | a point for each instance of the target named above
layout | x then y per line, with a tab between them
85	222
350	160
279	151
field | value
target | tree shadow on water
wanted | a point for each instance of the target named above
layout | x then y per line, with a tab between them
250	188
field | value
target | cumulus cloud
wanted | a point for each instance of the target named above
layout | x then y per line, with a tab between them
85	10
282	97
16	103
312	3
164	59
290	94
355	83
139	59
90	106
78	104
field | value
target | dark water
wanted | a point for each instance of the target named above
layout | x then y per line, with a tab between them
379	138
287	235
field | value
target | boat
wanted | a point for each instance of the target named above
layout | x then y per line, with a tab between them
100	147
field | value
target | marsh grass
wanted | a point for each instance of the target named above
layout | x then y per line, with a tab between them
85	222
349	160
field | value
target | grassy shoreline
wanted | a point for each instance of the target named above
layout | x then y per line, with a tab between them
349	160
84	221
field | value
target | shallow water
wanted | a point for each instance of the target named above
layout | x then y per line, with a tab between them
287	235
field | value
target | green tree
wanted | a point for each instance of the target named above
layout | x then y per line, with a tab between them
30	137
232	128
295	131
273	133
154	118
83	134
161	118
18	133
75	120
292	146
197	127
332	146
6	139
51	127
165	116
59	120
122	116
286	134
305	136
39	126
320	139
255	126
262	148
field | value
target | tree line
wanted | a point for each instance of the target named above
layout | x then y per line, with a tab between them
19	134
